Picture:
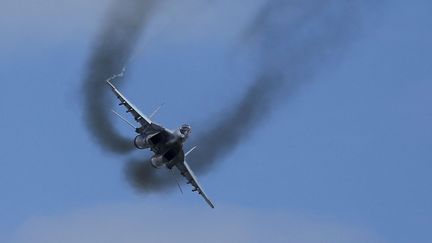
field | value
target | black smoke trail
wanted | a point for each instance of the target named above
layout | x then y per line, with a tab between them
112	50
294	38
144	178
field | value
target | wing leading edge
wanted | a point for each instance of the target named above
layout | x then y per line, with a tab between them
138	115
186	171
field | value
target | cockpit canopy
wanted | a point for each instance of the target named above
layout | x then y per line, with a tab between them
185	129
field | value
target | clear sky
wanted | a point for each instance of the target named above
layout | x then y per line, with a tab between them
345	158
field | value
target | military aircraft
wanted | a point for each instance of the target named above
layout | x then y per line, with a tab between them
167	145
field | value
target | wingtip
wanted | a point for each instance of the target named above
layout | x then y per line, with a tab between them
110	84
210	203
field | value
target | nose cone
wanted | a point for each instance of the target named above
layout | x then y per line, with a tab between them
185	130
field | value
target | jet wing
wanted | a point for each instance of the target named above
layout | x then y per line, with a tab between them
137	114
186	171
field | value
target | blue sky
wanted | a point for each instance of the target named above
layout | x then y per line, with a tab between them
349	161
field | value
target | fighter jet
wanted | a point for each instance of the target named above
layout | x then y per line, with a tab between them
167	145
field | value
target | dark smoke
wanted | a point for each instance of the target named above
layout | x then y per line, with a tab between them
111	53
144	178
294	38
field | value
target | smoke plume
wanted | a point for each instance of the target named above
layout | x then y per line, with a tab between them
144	178
294	37
111	53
